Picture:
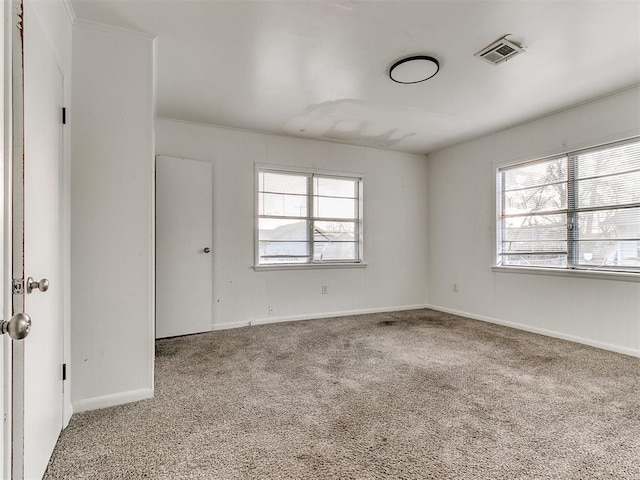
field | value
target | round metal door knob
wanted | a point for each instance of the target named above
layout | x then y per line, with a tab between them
206	250
18	327
42	285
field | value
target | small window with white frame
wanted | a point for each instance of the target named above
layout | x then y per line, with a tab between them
308	218
577	211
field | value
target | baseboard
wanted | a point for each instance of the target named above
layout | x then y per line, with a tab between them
344	313
541	331
227	326
112	400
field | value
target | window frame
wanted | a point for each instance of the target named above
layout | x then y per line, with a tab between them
572	268
311	217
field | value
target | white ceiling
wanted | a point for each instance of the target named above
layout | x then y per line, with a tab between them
319	69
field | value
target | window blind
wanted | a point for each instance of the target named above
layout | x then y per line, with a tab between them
605	201
534	214
580	210
308	218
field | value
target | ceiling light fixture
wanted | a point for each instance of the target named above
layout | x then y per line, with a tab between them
415	69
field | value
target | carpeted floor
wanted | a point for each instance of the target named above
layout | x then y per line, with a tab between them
407	395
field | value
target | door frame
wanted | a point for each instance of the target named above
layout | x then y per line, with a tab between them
11	46
5	194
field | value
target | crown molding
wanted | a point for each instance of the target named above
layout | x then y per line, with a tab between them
91	25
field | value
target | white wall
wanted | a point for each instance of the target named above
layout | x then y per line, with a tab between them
112	209
605	313
395	227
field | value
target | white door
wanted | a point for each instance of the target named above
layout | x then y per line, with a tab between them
184	203
37	375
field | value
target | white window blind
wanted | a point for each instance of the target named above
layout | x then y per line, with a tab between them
576	211
306	218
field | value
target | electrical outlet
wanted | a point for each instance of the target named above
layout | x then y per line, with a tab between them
270	309
324	290
455	287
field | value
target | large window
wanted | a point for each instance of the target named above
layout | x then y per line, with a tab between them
576	211
308	218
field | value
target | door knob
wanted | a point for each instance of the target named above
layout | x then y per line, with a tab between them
42	285
206	249
18	327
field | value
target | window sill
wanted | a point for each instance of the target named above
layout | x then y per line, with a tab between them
597	274
307	266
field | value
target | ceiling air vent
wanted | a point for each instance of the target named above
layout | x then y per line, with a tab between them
499	51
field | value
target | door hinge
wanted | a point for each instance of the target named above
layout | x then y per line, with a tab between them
64	371
64	115
17	286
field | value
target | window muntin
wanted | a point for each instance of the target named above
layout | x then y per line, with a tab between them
308	218
575	211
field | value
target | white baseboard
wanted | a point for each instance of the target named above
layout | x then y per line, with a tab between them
344	313
112	400
542	331
227	326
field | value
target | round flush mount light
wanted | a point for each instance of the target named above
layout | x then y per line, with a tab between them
414	69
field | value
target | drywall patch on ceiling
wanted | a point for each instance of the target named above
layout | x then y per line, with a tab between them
356	121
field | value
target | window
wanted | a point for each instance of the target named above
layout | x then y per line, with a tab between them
577	211
308	218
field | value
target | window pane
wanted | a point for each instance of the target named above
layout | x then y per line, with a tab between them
334	231
274	229
329	207
276	204
538	199
547	260
283	183
612	190
335	241
607	253
532	237
534	234
605	224
323	251
534	228
335	187
621	158
557	246
283	252
535	174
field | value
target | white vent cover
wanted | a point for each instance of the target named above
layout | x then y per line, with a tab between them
499	52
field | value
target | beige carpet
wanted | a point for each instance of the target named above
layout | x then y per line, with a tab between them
407	395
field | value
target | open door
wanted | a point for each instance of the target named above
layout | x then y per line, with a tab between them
37	370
